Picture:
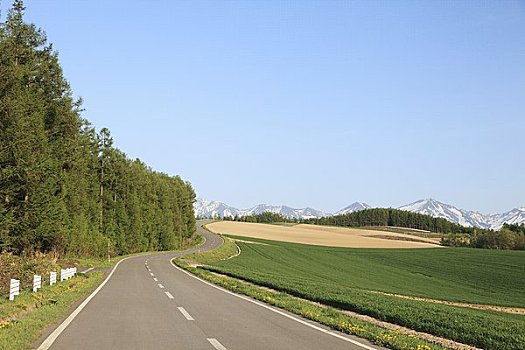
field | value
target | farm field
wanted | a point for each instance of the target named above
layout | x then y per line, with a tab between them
349	279
323	235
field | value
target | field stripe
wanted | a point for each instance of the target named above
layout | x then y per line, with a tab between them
296	319
215	343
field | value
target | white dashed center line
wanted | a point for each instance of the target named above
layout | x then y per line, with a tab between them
185	313
169	295
151	273
155	279
161	286
216	344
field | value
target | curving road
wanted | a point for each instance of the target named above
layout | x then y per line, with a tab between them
147	303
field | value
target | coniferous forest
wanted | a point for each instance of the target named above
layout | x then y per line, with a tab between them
64	187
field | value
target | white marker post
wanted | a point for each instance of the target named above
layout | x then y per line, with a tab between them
14	289
37	282
52	278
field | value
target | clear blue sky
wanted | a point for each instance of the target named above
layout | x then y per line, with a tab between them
307	103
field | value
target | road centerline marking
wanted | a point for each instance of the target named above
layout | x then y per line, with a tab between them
215	343
161	286
152	275
169	295
155	279
185	313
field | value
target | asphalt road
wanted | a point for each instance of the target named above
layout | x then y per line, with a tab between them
149	304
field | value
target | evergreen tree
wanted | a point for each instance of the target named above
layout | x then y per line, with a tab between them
63	187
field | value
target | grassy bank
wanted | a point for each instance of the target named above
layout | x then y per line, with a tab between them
23	320
342	278
225	251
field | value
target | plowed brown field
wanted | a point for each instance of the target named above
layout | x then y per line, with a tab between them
322	235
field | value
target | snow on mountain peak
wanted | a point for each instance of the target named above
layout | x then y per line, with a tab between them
356	206
429	206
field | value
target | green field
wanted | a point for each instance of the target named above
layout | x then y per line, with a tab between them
344	277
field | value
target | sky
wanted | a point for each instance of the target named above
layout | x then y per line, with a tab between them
307	103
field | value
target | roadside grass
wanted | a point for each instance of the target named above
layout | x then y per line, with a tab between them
325	315
198	240
225	251
23	320
342	278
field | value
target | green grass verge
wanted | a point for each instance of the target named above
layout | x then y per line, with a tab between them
225	251
341	277
25	318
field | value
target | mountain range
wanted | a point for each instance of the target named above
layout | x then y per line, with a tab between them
432	207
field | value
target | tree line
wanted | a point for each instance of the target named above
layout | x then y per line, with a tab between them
64	187
266	217
510	236
391	217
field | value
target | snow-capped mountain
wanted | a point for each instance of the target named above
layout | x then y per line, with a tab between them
356	206
446	211
304	213
463	217
514	216
204	208
432	207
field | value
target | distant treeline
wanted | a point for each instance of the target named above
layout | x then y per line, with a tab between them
263	218
391	217
64	188
509	237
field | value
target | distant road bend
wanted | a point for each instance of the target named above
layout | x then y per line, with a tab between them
147	303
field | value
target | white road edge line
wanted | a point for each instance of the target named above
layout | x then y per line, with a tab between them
160	286
339	336
215	343
169	295
185	313
46	344
87	270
